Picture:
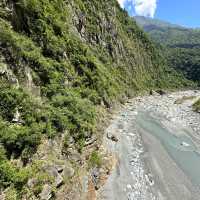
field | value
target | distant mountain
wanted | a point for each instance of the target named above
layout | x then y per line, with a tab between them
183	44
148	23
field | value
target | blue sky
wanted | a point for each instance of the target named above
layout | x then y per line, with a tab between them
182	12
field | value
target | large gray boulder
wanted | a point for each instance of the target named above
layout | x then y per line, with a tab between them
46	193
68	171
53	171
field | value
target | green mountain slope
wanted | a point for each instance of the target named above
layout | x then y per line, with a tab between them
183	45
61	62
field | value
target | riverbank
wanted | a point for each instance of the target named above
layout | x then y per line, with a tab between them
144	170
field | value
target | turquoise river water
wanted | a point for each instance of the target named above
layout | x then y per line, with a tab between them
180	147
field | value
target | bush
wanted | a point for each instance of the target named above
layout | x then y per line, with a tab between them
16	138
196	106
11	194
10	175
95	160
79	112
10	99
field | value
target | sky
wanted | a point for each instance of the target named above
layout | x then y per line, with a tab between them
182	12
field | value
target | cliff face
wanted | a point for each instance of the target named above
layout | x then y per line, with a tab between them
61	62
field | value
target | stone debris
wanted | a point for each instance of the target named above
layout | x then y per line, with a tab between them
133	180
130	171
112	137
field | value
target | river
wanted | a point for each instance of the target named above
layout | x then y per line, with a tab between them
157	152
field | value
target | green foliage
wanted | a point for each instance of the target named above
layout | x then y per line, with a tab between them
79	112
11	175
181	45
80	54
15	138
196	106
186	60
10	100
11	194
95	160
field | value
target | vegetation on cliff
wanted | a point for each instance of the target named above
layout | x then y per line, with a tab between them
60	61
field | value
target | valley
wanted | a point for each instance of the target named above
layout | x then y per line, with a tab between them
66	68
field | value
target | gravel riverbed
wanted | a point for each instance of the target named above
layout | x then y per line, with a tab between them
144	169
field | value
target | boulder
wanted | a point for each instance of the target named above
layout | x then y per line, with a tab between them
60	168
32	182
17	118
68	171
161	92
3	69
46	193
112	137
95	174
2	196
58	180
74	155
52	171
152	92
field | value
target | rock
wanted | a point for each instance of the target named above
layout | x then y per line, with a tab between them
161	92
46	193
3	69
152	92
52	171
90	141
58	180
129	187
95	174
60	168
74	155
185	144
112	137
32	182
68	172
17	117
2	196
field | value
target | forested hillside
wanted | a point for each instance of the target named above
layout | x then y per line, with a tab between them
61	64
183	45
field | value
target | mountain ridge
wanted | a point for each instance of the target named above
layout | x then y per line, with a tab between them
181	46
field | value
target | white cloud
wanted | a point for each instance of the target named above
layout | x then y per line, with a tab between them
142	7
145	7
122	2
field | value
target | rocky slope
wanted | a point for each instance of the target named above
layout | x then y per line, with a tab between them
62	65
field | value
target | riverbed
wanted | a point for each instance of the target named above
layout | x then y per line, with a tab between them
157	149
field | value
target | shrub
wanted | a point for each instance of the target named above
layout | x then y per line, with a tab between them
196	106
95	160
10	175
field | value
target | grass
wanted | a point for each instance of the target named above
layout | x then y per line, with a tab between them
95	160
